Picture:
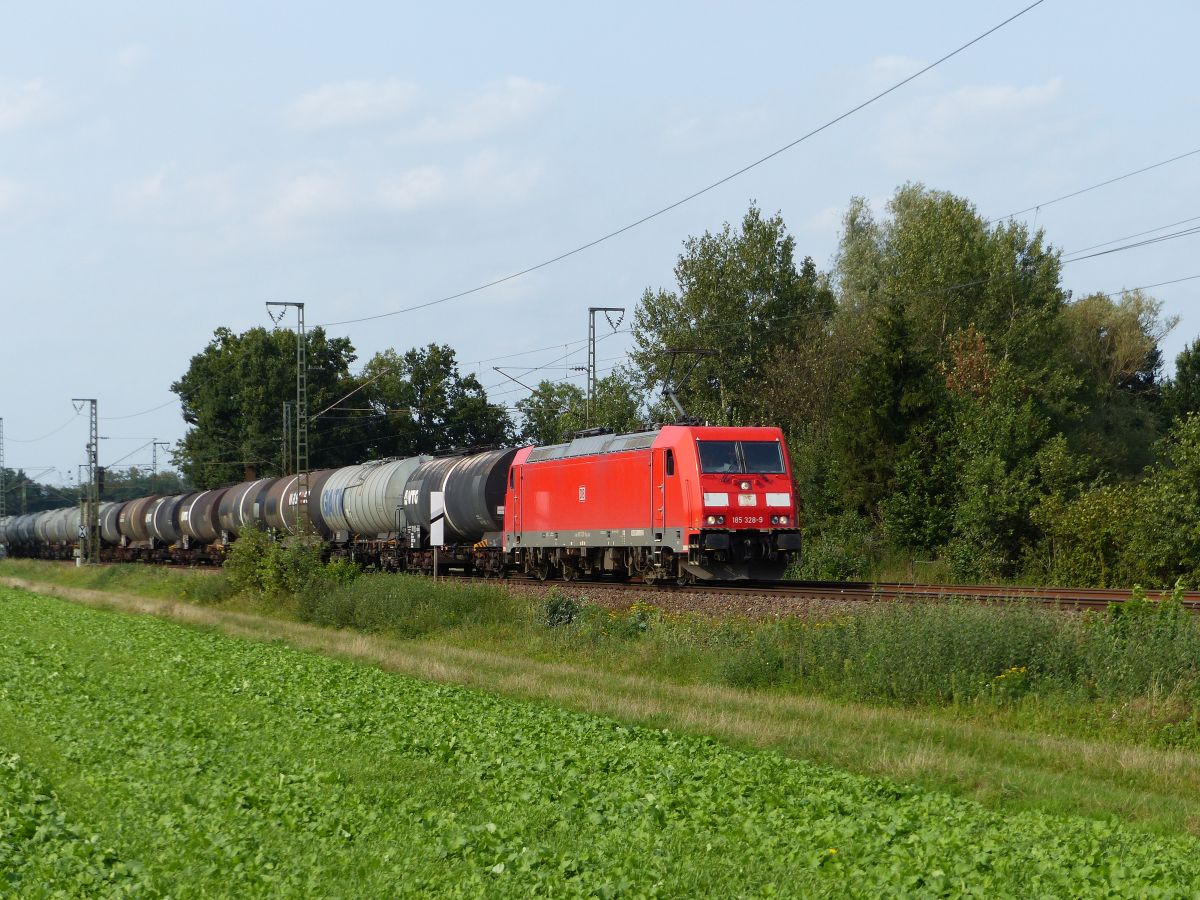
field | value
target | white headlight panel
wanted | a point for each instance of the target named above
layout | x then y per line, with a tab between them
747	500
717	499
779	499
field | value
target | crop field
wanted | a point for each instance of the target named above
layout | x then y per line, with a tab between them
141	757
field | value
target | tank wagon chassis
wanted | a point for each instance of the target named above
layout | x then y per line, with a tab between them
673	504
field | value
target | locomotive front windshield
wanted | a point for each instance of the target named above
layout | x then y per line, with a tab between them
751	457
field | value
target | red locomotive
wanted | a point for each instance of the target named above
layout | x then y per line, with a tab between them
680	502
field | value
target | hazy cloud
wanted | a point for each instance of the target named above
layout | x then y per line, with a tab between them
10	195
979	121
351	103
498	106
142	193
413	189
305	197
130	57
24	104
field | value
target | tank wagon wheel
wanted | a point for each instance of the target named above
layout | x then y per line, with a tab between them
684	578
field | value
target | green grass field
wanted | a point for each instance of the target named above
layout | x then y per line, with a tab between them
1102	723
140	756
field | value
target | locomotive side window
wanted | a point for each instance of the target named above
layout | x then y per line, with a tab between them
670	462
719	456
762	457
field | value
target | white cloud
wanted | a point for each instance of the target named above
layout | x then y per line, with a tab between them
333	197
130	57
971	122
498	106
982	102
351	103
142	193
24	104
305	197
827	221
887	70
413	189
10	195
487	176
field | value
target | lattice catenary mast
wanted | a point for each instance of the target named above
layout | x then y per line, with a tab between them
89	493
591	363
3	485
301	411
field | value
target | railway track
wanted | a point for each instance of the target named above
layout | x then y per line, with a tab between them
1078	599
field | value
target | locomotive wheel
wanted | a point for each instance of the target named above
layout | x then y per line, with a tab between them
541	570
684	578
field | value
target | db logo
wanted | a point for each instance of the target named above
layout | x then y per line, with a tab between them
582	492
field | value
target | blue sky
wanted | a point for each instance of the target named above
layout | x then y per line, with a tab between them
167	168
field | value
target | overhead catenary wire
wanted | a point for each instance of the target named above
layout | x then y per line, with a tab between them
142	413
704	190
44	436
1093	187
1130	237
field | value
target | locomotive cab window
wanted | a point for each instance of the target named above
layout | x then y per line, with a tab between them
753	457
670	462
719	456
762	457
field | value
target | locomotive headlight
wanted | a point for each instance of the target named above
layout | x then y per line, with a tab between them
774	520
783	520
745	485
712	520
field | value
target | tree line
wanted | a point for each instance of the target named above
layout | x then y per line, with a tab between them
944	397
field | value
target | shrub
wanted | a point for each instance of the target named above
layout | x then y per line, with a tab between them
259	564
560	609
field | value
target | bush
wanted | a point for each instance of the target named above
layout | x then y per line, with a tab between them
842	548
560	609
259	564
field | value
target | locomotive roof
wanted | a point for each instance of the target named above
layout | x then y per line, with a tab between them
593	444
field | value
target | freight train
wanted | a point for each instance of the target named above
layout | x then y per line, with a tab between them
673	503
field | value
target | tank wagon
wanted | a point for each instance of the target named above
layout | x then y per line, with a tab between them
673	503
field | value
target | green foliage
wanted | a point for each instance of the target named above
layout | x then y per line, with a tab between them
259	564
235	768
404	605
40	846
559	609
421	403
1181	395
841	548
730	285
552	412
232	397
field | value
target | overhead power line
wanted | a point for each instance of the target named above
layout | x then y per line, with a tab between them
142	413
1185	232
1130	237
704	190
1105	183
46	435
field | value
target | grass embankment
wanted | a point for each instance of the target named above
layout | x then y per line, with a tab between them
931	694
142	756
